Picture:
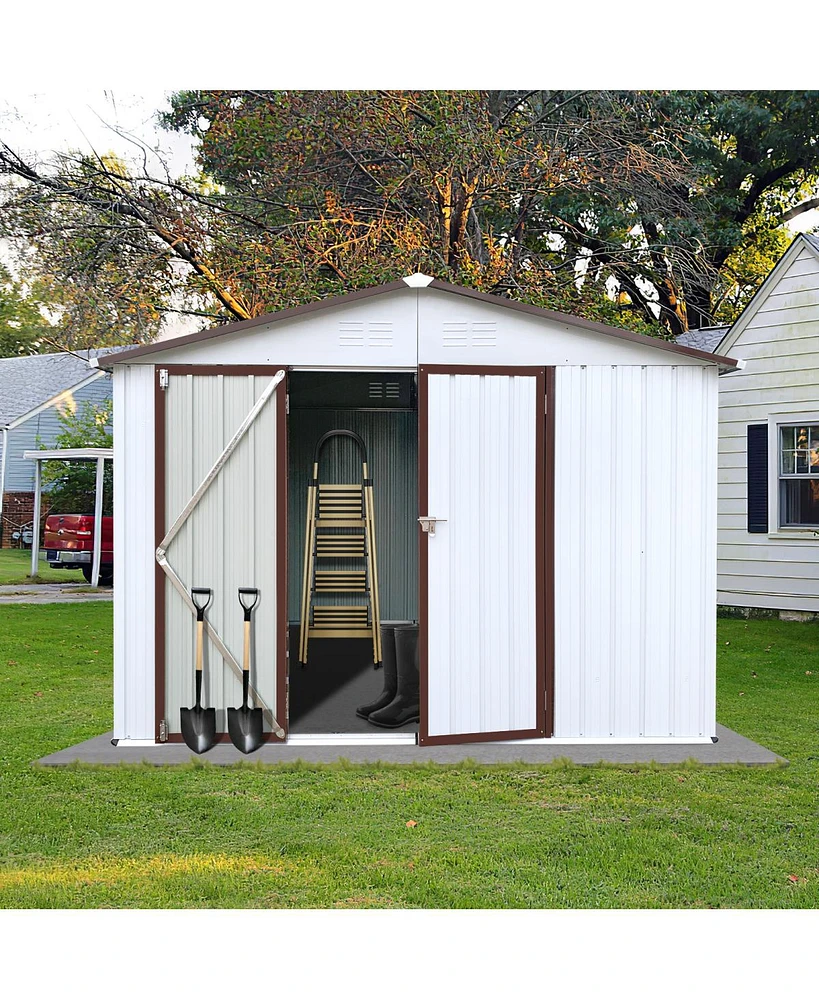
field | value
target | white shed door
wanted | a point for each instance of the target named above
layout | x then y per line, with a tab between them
233	538
482	464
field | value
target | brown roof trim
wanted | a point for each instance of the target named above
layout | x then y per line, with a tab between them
584	324
394	286
264	320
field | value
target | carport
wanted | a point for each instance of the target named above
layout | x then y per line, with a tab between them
98	455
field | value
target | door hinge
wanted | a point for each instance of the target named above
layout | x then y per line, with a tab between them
545	404
163	378
163	731
287	403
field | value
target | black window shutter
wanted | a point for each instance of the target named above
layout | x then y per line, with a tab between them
758	478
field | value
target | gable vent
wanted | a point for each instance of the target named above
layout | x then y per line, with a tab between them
466	334
456	335
484	335
379	334
351	335
359	334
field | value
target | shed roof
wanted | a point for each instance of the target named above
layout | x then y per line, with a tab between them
414	282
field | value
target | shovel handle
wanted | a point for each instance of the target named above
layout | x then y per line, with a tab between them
201	597
248	598
200	630
246	664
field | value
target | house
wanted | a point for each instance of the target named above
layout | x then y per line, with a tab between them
768	508
34	391
545	492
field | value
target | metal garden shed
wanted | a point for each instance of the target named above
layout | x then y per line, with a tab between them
545	505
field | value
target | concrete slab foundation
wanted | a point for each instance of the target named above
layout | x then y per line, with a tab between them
731	748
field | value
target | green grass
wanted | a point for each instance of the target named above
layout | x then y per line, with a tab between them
294	836
15	566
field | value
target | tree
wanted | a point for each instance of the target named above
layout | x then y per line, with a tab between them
71	486
86	234
346	188
749	163
21	323
635	207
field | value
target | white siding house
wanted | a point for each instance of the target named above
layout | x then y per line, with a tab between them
35	390
568	588
768	520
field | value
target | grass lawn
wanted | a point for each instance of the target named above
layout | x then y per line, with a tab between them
15	566
504	836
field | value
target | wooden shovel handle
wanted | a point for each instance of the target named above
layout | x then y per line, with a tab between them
246	651
200	629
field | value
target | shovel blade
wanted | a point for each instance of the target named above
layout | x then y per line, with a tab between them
198	728
245	728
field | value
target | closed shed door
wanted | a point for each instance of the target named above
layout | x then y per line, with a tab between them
483	566
233	538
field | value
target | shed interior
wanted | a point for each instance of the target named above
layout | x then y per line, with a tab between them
381	408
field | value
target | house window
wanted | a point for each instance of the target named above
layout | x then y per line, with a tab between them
799	475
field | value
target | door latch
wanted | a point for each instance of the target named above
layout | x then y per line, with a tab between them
428	523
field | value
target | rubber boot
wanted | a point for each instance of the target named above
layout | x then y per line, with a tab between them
390	673
406	706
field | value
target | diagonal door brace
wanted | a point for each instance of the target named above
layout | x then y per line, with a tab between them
173	531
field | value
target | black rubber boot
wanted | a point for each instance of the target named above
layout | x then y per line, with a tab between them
390	673
406	706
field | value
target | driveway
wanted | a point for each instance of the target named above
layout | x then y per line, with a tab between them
53	593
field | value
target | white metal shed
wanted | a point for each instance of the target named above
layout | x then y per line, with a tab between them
568	591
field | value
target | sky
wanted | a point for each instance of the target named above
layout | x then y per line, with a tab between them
57	120
39	124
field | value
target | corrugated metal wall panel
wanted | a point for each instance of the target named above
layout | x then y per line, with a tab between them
635	509
482	656
391	438
134	564
229	541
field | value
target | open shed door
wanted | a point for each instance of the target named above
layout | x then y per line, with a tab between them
220	516
482	553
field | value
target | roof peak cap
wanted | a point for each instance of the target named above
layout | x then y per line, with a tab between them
418	280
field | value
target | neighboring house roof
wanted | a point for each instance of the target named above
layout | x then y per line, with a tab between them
28	381
418	281
707	338
812	240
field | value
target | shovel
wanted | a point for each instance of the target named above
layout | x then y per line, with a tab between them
199	724
245	724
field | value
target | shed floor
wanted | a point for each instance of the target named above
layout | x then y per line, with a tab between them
731	749
339	677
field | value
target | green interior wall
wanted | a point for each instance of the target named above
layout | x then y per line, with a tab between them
391	437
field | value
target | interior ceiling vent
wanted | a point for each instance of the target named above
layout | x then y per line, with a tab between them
385	390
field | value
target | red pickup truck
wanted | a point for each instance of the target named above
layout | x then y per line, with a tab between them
69	544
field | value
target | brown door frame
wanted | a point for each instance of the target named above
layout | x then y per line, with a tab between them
281	537
544	542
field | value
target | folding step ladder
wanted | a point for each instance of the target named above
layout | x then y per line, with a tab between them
340	526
